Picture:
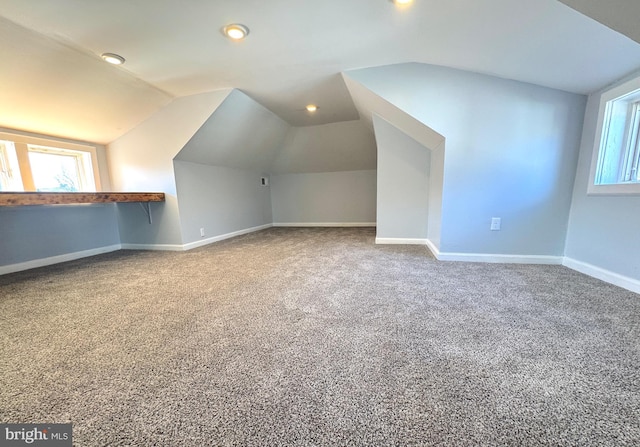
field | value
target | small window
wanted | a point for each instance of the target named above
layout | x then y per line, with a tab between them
10	179
615	165
36	164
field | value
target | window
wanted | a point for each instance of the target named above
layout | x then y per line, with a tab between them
615	167
38	164
10	179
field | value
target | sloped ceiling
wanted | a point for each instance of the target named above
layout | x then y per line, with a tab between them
345	146
50	88
620	15
240	134
243	134
370	103
293	56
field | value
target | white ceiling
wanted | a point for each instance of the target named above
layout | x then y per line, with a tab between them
293	56
620	15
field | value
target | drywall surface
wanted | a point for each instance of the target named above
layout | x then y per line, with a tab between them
436	181
603	230
221	200
240	134
345	146
56	88
511	152
403	184
142	160
37	232
347	197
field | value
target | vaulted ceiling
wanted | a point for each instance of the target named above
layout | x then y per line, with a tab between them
54	82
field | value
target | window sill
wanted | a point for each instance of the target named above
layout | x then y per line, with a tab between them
70	198
619	189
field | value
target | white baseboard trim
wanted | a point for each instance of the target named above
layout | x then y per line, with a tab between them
324	224
12	268
154	247
605	275
433	249
195	244
400	241
222	237
499	258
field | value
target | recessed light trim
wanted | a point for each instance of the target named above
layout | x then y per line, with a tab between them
312	108
112	58
236	31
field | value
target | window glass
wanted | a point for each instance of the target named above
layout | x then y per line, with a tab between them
616	155
54	172
10	178
39	164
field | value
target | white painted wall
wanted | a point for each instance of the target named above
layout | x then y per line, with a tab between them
219	199
346	197
345	146
403	185
142	160
511	152
603	230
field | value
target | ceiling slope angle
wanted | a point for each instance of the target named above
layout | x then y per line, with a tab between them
54	89
293	56
240	134
620	15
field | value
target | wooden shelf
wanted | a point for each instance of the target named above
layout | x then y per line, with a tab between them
67	198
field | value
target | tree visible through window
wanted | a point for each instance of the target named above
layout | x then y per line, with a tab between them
61	167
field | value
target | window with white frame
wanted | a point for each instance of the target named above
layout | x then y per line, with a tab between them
43	165
615	167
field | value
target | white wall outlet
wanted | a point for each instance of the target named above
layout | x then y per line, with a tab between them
495	223
201	232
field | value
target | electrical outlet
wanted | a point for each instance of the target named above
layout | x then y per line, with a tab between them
201	232
495	223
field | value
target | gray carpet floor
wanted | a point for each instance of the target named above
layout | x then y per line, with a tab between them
319	337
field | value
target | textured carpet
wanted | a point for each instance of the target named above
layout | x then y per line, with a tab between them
319	337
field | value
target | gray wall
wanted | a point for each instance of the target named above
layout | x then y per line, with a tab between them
436	182
37	232
403	184
345	146
221	200
603	230
142	160
347	197
511	152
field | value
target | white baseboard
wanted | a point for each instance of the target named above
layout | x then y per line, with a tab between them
605	275
493	258
195	244
12	268
324	224
499	258
154	247
433	249
222	237
400	241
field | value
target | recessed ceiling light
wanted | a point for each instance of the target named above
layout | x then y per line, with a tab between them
402	2
312	108
236	31
112	58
